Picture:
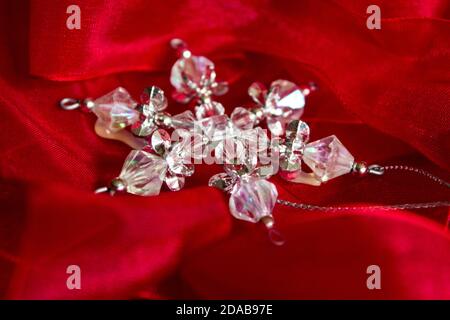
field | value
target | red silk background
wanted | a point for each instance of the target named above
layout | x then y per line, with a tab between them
385	94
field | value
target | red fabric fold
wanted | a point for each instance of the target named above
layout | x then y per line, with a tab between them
384	93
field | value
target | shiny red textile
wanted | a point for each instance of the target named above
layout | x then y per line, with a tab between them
385	94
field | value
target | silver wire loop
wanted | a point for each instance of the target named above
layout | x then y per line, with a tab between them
376	169
70	103
101	190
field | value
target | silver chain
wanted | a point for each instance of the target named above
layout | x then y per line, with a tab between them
419	171
391	207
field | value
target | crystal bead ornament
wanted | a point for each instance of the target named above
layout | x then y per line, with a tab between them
249	159
297	134
252	198
283	102
116	109
153	102
327	157
144	171
194	77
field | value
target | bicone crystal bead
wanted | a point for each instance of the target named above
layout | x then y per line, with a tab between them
252	198
285	102
289	162
143	173
284	94
255	138
222	181
297	135
213	128
154	100
160	141
189	69
116	109
243	118
174	182
145	124
184	120
328	158
179	159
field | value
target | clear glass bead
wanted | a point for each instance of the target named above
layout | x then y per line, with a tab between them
145	124
297	135
160	142
243	118
285	102
328	158
189	69
179	161
252	198
284	94
153	101
143	173
174	182
222	181
214	128
184	120
290	162
116	109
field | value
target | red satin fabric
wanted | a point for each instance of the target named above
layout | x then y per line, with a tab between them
385	94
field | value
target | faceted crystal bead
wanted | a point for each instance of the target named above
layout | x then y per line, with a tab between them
145	124
189	69
222	181
256	139
154	100
284	94
209	109
328	158
252	198
160	142
184	120
243	118
213	128
297	135
143	173
289	162
116	109
179	161
285	102
230	151
174	182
